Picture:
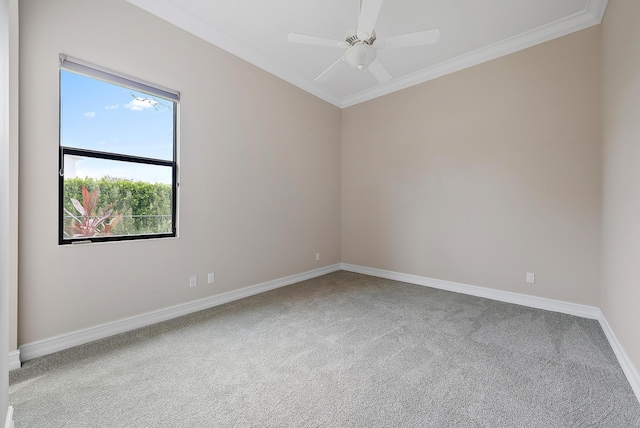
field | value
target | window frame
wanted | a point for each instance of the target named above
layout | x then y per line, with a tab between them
119	79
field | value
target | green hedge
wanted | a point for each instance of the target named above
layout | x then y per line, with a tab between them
146	207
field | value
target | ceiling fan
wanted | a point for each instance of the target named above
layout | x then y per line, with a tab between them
362	45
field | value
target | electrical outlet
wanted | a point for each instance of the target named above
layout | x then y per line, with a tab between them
211	277
193	281
531	278
317	256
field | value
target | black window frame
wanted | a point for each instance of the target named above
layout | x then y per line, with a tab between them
95	72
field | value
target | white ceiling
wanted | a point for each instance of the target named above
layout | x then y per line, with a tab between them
472	32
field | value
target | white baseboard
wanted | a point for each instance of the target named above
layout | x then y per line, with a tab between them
8	423
583	311
627	366
68	340
14	360
79	337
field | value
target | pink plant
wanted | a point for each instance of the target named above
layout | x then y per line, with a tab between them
87	225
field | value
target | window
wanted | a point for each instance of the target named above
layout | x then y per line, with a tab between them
118	171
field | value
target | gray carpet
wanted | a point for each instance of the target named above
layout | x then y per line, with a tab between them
342	350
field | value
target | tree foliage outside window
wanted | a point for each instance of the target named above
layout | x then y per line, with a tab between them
145	207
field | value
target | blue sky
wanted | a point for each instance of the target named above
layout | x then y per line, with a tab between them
101	116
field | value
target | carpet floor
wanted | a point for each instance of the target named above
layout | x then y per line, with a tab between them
341	350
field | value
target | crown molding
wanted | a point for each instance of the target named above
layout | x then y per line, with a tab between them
177	16
592	14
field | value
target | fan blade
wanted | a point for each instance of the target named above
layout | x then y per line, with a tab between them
314	40
368	16
379	71
413	39
330	72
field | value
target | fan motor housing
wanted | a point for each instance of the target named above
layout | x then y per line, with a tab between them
352	38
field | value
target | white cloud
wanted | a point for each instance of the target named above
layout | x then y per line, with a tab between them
112	107
139	104
90	114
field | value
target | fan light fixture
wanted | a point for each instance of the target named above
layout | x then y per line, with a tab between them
360	55
359	43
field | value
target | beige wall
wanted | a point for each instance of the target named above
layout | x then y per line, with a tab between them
259	162
620	290
483	175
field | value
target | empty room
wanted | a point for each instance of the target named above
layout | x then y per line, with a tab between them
343	213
